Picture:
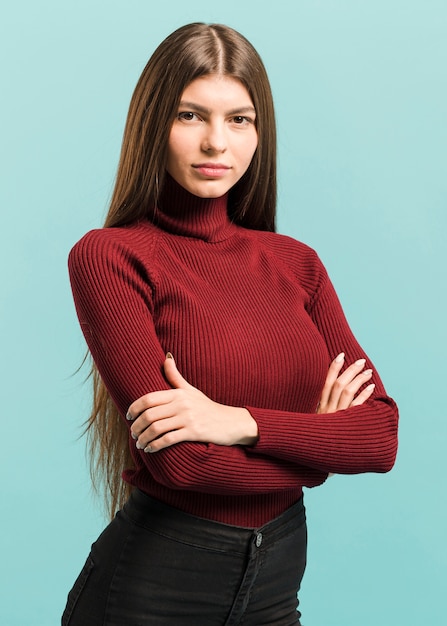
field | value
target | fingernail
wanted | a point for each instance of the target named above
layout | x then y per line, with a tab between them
370	387
134	436
367	372
340	357
139	446
148	449
360	362
169	356
129	416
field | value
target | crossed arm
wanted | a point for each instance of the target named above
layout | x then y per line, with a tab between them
183	413
353	429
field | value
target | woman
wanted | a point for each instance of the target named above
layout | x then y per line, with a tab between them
269	390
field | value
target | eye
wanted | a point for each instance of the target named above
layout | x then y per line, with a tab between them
187	116
242	120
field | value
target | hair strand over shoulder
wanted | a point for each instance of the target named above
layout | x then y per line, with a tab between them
190	52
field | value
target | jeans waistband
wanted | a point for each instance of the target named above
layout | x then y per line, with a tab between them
168	521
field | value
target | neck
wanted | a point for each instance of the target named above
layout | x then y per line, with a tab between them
181	213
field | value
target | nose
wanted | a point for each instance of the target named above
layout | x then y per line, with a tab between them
214	139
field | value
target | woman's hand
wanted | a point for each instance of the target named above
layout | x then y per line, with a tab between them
164	418
340	392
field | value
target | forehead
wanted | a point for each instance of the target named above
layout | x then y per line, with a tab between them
217	92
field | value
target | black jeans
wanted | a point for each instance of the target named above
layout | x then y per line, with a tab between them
154	565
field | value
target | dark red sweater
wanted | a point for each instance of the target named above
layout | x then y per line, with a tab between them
252	320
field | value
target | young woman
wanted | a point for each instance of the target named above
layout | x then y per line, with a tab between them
206	456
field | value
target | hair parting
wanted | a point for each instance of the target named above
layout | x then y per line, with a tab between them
190	52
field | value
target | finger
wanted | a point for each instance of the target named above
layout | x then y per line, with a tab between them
349	392
333	372
364	395
157	430
147	418
345	379
167	440
351	372
172	374
148	401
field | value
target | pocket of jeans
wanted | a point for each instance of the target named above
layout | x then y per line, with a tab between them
76	590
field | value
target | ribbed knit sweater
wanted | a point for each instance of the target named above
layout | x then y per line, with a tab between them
252	320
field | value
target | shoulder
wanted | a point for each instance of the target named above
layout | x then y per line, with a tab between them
284	244
108	243
299	258
115	256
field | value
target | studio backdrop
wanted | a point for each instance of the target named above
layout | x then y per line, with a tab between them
361	100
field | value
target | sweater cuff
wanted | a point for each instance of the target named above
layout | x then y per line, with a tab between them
270	439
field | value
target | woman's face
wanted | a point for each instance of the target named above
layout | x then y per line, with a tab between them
213	138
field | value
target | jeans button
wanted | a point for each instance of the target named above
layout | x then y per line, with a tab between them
258	541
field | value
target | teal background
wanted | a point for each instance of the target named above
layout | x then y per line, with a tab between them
361	97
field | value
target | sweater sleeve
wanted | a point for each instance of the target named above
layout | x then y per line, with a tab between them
355	440
113	299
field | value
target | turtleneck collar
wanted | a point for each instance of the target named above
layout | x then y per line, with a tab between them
181	213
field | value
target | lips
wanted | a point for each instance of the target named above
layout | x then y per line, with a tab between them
212	170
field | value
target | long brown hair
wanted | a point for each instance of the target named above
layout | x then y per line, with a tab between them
190	52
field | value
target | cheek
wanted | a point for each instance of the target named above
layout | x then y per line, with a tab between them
172	152
250	148
178	147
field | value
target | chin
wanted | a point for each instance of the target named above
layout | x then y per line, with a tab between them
208	191
210	195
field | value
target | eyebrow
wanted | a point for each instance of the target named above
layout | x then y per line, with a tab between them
201	109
